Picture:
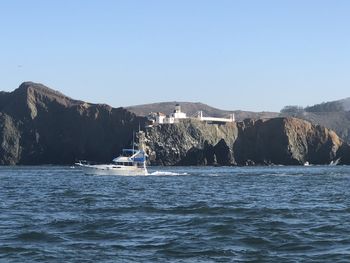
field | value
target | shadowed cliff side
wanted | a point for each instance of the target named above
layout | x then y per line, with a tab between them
39	125
287	141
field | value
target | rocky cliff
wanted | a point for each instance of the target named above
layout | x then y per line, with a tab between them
287	141
339	121
191	142
42	126
334	115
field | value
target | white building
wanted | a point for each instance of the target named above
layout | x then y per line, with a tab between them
178	114
160	118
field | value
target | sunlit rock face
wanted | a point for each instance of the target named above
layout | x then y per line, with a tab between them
287	141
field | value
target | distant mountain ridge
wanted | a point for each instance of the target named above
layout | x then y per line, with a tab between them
330	106
346	103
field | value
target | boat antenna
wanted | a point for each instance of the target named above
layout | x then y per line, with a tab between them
133	141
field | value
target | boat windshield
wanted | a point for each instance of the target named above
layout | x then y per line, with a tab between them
128	152
124	163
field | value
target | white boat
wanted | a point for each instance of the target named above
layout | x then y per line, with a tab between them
130	162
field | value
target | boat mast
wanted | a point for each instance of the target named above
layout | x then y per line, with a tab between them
133	143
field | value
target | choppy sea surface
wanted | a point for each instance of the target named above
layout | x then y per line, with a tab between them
176	214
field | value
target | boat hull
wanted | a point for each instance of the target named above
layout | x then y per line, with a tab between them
110	169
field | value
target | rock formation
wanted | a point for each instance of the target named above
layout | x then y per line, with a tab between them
287	141
42	126
191	142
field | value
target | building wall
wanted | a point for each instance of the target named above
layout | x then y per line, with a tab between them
160	119
179	115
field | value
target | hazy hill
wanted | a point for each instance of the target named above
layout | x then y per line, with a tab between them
345	103
333	114
191	108
330	106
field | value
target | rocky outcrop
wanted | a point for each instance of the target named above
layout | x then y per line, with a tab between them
9	140
42	126
287	141
343	155
191	142
338	121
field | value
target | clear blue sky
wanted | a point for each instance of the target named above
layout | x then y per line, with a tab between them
251	55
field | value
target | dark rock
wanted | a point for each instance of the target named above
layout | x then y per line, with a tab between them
343	155
287	141
209	154
40	126
194	156
262	141
223	153
189	142
9	140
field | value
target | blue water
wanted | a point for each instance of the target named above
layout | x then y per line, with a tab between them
256	214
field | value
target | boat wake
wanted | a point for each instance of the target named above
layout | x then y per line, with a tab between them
335	162
166	173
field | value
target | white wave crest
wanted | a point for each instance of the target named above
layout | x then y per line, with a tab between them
166	173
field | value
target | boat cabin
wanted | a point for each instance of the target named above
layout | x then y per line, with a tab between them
131	157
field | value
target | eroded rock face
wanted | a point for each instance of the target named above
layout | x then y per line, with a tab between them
223	153
9	140
189	142
312	143
287	141
39	126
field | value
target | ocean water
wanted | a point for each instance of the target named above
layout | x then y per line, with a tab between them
176	214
